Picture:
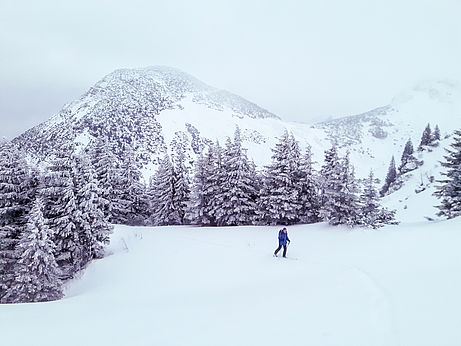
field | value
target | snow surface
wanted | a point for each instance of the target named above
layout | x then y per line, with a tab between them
259	136
201	286
434	102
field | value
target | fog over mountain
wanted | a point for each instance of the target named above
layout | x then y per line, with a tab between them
305	61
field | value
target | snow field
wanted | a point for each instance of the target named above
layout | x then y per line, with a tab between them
202	286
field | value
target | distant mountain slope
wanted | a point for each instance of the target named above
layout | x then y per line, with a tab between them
373	137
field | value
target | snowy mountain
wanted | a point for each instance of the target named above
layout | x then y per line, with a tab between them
148	108
155	108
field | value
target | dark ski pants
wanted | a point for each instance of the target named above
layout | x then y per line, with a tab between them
284	250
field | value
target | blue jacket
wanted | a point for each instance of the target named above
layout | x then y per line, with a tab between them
283	238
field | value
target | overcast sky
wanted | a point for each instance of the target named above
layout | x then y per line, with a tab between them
303	60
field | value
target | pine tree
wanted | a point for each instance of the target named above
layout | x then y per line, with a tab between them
204	190
237	193
369	200
390	177
372	214
340	192
163	209
426	138
450	191
104	163
409	161
436	134
129	201
350	207
407	151
15	203
215	182
308	189
36	273
279	201
181	183
93	226
198	203
328	172
61	209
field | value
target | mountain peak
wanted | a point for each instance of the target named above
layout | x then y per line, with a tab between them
170	79
148	109
171	86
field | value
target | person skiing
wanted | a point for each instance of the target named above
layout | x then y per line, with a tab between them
283	240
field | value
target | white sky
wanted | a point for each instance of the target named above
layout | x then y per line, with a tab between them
303	60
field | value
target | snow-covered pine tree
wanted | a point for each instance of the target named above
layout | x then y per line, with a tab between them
350	205
93	226
36	272
257	182
409	161
390	177
340	192
329	172
236	196
140	209
407	151
449	192
436	134
294	153
279	199
163	210
308	189
426	138
60	209
15	203
371	212
215	182
204	189
196	212
369	201
129	200
103	161
181	182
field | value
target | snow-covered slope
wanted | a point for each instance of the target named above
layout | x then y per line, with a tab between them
181	286
415	200
152	107
375	136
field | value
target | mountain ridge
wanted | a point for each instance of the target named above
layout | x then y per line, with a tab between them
156	107
124	106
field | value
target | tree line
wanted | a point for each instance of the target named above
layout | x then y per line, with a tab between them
226	189
56	219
